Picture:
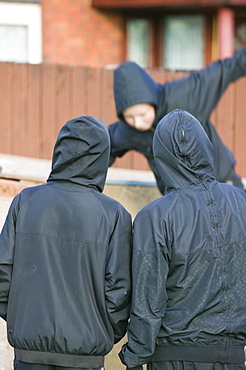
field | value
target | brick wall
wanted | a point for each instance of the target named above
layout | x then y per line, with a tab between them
76	33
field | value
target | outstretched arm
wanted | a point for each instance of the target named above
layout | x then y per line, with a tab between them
119	140
200	92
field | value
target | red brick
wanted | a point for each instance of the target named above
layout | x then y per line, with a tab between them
74	32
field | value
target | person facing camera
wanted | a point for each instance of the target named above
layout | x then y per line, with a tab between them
141	103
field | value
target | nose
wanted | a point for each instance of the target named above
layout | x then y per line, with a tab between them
137	122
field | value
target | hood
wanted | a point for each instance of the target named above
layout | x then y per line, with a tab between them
132	85
81	153
182	150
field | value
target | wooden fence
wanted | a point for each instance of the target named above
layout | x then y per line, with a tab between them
36	100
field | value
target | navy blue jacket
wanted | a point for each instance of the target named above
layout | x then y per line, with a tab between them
65	257
198	94
189	257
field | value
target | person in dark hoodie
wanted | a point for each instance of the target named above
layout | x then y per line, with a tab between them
189	261
141	103
65	252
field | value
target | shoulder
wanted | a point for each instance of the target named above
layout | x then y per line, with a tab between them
155	209
113	207
27	193
21	199
118	127
118	131
232	192
161	208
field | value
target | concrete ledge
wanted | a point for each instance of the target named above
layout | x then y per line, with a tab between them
16	167
132	188
37	170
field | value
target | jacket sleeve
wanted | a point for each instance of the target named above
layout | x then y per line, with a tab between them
118	275
119	140
149	274
7	244
200	92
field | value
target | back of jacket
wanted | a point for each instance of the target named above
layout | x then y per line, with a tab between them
65	256
189	256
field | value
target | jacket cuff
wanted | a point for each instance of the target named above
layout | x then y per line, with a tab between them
3	310
140	367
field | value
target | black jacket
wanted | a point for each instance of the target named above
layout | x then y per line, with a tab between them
198	94
65	257
189	257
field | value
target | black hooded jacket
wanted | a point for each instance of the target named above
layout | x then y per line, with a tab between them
189	257
65	257
198	94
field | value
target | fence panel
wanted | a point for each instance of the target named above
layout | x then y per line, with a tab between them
94	92
226	117
48	110
78	91
240	126
6	112
34	127
62	97
107	99
36	100
19	105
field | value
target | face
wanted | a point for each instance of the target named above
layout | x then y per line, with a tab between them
140	116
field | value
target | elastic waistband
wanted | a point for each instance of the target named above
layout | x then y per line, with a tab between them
59	359
224	355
